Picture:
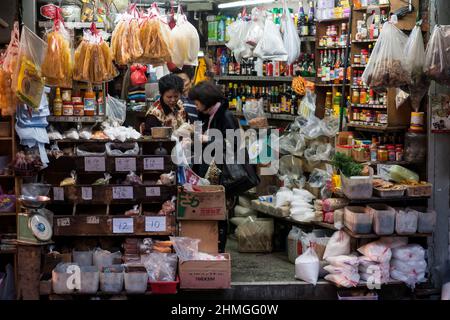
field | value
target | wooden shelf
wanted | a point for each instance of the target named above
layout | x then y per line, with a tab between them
9	251
374	236
318	84
325	225
5	138
369	106
273	116
71	25
331	48
86	119
308	39
400	163
364	41
333	20
7	176
393	199
359	87
142	140
256	78
380	6
370	128
7	214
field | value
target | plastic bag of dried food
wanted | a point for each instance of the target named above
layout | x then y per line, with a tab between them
27	80
271	46
254	114
238	32
125	40
307	267
8	64
290	35
160	266
57	66
186	248
437	56
133	179
103	181
415	59
155	37
186	42
376	251
93	58
387	65
70	181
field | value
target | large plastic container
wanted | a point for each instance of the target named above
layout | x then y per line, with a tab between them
164	287
111	279
136	280
383	218
415	147
426	220
406	221
104	258
90	279
357	219
358	187
60	279
83	258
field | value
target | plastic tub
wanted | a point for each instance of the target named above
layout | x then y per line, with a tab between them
358	187
426	220
104	258
111	279
60	278
135	280
83	258
383	218
383	193
90	279
164	287
406	221
357	219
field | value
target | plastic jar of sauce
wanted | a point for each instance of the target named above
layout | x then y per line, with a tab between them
67	109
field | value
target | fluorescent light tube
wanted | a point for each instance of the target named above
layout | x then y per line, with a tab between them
243	3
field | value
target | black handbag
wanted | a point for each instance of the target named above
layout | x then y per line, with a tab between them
238	178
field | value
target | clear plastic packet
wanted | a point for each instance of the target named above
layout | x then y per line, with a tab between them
254	114
93	58
133	179
27	80
238	32
387	65
307	105
168	207
160	266
437	60
415	59
185	40
103	181
70	181
186	248
57	67
167	179
133	212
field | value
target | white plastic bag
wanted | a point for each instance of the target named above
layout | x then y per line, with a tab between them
271	46
417	266
345	270
291	40
303	194
415	59
410	252
256	28
186	42
238	31
283	197
344	281
376	251
411	279
339	244
406	221
387	66
307	267
116	110
437	59
394	242
343	261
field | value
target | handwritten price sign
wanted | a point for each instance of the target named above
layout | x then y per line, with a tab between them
63	222
94	164
86	193
92	220
122	193
123	225
156	163
125	164
155	224
58	193
152	191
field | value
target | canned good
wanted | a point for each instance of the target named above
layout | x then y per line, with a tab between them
276	68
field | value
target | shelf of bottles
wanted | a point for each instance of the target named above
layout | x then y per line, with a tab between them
367	108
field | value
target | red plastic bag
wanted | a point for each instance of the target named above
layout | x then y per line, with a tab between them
138	76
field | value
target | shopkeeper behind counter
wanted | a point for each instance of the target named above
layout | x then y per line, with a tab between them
168	111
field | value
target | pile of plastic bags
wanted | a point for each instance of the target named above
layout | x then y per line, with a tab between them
409	264
343	270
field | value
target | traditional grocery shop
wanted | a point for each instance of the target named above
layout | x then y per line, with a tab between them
224	149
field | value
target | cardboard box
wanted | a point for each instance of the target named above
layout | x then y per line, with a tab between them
205	274
206	204
206	231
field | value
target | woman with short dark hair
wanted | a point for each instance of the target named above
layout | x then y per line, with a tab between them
168	111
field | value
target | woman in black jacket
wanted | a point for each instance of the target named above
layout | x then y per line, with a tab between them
213	111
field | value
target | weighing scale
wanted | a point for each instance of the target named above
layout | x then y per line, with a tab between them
35	223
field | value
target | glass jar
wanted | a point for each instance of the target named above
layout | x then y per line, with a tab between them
356	59
382	154
68	109
391	152
363	96
355	96
398	152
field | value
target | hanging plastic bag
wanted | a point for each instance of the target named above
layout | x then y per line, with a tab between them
116	110
254	114
256	28
27	80
437	56
238	31
308	105
291	40
271	46
57	66
186	42
387	66
292	143
155	37
93	58
8	64
415	59
138	77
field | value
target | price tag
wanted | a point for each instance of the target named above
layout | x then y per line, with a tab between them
86	193
155	224
152	191
125	164
92	220
63	222
154	163
58	193
123	225
122	193
96	164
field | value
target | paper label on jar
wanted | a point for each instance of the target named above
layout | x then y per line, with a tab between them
89	104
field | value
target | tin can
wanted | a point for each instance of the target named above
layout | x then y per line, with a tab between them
276	68
269	69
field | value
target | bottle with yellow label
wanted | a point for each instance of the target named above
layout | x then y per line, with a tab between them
58	103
